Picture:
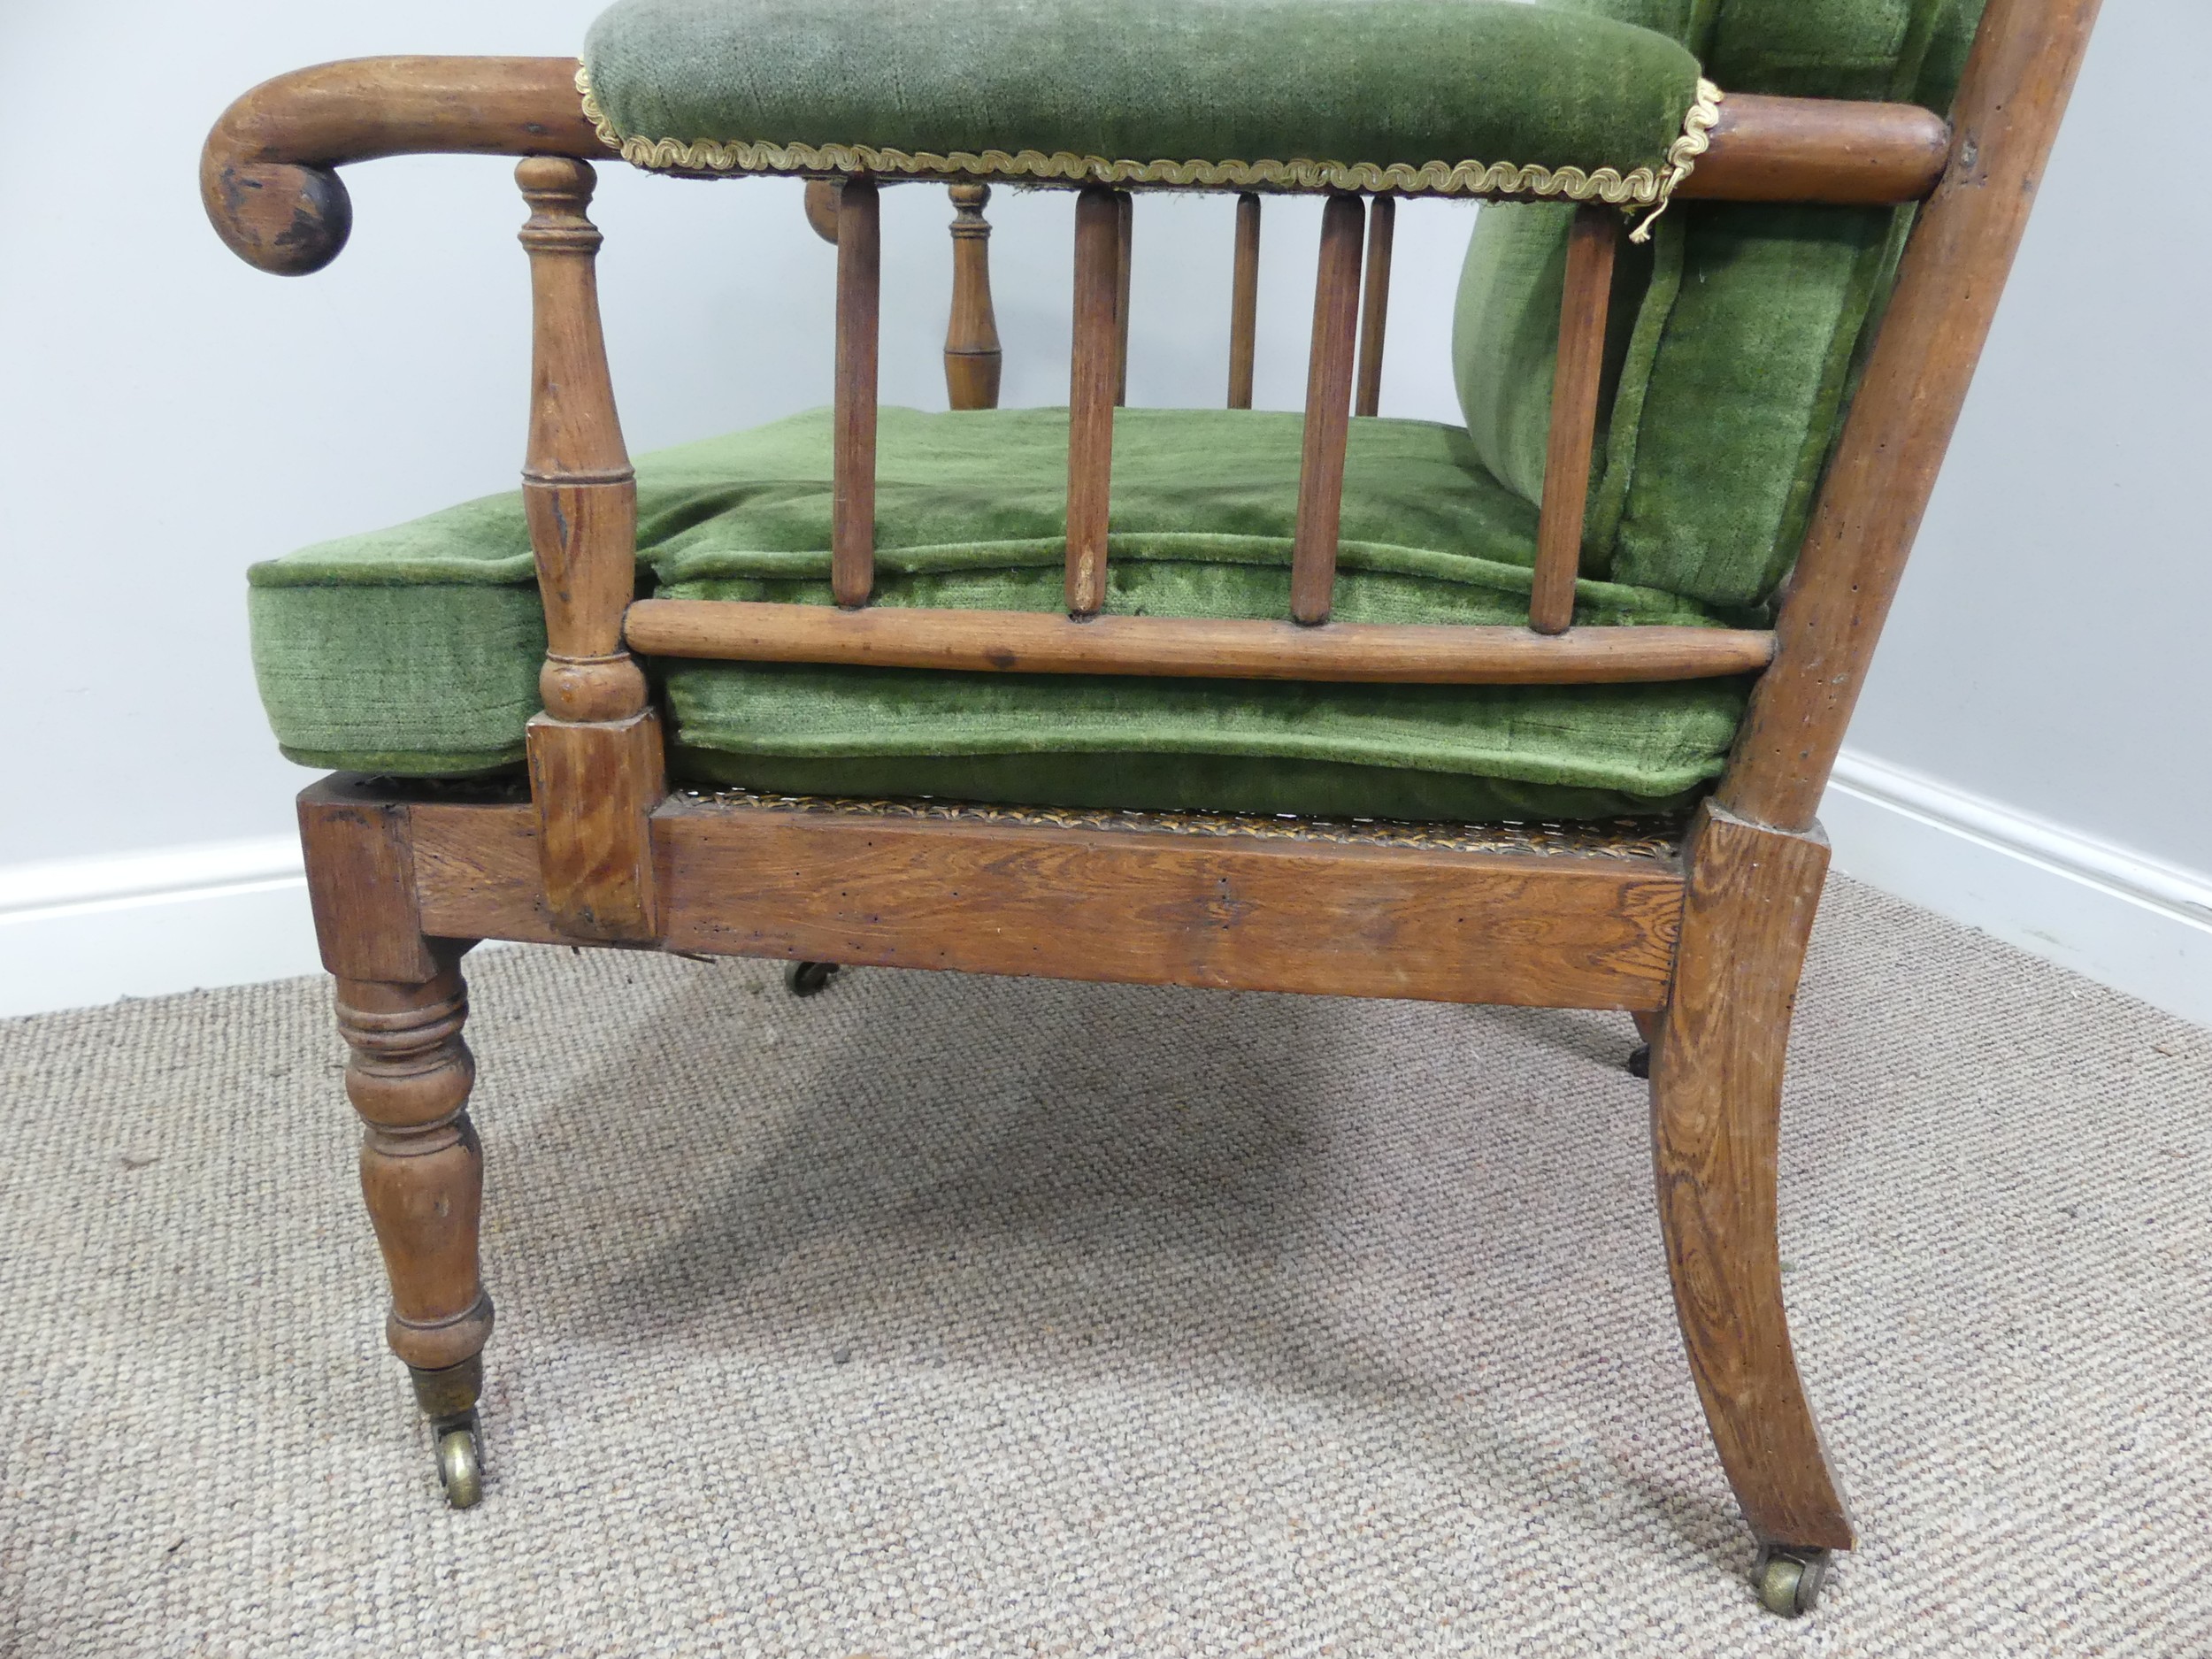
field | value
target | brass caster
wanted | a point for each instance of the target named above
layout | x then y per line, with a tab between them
1640	1062
809	979
1788	1580
459	1471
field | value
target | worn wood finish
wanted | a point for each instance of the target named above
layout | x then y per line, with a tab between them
1023	641
594	785
859	306
267	173
580	493
361	884
1382	224
2017	82
1093	377
1819	150
1126	230
595	754
821	207
401	1004
1244	302
1717	1106
1576	374
1251	914
973	358
476	871
422	1171
1328	412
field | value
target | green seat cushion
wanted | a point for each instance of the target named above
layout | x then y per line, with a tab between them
1107	90
416	649
1737	334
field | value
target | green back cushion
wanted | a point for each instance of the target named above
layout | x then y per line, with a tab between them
1733	336
1385	82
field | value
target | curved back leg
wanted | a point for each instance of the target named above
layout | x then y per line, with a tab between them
1716	1097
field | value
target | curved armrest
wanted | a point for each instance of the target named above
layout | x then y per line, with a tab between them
266	175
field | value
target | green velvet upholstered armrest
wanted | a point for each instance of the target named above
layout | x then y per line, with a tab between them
1458	96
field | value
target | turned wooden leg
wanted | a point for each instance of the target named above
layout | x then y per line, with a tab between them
1717	1095
401	1006
422	1176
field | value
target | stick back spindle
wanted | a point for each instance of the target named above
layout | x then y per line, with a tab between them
1576	378
1328	412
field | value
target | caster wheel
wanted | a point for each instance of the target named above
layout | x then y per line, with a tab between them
809	979
1640	1062
1788	1580
459	1471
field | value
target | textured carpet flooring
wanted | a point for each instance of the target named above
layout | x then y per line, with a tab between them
961	1317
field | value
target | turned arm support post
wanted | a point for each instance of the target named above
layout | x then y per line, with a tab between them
596	770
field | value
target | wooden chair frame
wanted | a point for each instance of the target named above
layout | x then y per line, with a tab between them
1701	938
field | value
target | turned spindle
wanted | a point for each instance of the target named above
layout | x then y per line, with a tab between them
1092	376
1577	376
1244	302
1382	224
596	760
1328	412
973	356
853	460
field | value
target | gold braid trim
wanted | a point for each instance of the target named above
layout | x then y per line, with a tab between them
1642	186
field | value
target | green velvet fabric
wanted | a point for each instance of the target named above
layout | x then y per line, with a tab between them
415	649
1351	81
1728	386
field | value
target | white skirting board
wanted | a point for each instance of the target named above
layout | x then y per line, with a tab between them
77	933
2129	922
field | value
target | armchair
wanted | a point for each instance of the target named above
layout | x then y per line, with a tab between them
1536	711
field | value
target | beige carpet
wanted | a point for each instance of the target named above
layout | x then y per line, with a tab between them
961	1317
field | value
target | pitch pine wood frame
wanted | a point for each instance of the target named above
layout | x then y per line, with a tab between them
1702	943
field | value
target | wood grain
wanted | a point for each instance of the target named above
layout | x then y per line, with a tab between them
1155	910
1768	148
1576	373
579	496
1382	224
973	358
477	872
267	176
1023	641
1328	412
594	785
1092	380
2017	81
361	883
422	1172
1716	1104
1126	231
1244	302
859	295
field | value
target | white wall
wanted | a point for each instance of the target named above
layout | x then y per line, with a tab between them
175	415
